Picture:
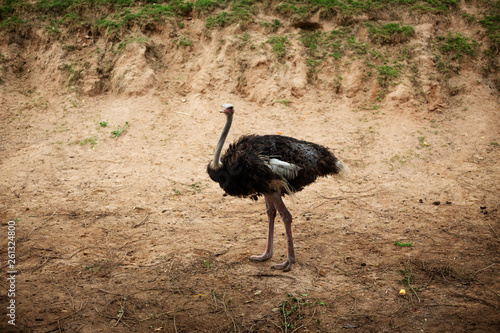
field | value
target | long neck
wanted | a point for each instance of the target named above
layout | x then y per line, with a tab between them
216	163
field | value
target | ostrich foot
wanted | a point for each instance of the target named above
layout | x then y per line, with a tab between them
262	257
285	267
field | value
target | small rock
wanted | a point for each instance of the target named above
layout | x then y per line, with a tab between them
351	326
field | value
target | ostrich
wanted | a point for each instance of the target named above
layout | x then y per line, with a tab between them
272	166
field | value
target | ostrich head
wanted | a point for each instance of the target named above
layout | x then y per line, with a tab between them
227	109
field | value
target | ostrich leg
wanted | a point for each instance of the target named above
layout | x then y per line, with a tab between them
271	214
287	219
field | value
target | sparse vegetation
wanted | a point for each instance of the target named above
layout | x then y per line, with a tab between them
245	40
184	41
220	20
74	74
204	7
310	40
360	48
453	49
279	45
291	311
457	46
196	186
321	45
92	141
118	15
400	159
408	280
285	102
491	21
119	131
139	39
387	74
116	18
273	26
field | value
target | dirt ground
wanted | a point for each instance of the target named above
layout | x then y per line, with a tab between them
128	233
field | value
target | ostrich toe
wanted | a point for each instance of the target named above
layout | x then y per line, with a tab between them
262	257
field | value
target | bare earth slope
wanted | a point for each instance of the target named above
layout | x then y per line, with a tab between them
128	233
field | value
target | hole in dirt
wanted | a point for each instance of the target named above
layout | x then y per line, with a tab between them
309	26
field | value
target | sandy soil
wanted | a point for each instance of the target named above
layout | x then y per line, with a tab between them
128	234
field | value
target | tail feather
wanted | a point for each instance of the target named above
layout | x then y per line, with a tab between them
342	169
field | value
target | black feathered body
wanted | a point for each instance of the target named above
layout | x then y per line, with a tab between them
245	170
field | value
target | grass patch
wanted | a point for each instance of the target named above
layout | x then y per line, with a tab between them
273	26
115	15
279	45
205	6
453	49
360	48
387	73
294	10
492	24
220	20
320	45
12	23
409	244
120	21
131	40
241	11
456	46
391	33
312	41
386	76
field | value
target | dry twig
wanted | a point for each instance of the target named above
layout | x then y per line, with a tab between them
144	219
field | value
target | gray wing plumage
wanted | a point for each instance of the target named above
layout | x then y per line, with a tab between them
282	168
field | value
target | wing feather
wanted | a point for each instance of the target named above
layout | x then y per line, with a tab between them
282	168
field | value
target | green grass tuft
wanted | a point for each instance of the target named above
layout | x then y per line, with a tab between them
220	20
119	131
391	33
403	244
457	46
491	21
279	44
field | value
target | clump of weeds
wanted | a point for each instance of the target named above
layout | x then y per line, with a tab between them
119	131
